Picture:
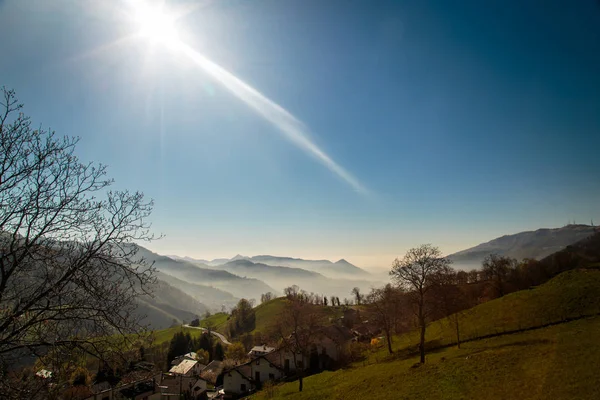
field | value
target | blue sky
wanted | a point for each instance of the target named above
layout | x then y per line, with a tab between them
462	121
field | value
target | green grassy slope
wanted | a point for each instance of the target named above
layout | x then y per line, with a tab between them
558	362
218	322
267	313
569	295
165	335
555	362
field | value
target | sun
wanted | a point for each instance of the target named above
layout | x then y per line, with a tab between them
155	23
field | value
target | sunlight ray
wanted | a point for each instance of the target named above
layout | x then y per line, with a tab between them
289	125
158	25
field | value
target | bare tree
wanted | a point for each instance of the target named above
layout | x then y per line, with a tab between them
297	328
357	296
416	273
450	300
266	297
69	275
291	291
383	306
496	270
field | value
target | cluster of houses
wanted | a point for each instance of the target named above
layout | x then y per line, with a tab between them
189	378
184	379
277	364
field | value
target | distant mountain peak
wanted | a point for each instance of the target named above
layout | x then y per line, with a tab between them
529	244
342	261
239	257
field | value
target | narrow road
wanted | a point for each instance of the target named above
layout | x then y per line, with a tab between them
217	334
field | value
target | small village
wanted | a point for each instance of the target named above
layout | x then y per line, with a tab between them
189	378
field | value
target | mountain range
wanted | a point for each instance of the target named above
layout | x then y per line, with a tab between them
188	286
531	244
324	267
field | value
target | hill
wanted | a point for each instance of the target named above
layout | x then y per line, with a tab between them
266	313
212	297
281	277
557	362
216	322
533	244
541	360
168	305
570	295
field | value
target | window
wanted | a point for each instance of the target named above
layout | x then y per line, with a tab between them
257	362
243	387
257	376
272	377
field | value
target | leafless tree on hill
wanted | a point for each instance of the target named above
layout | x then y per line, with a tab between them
296	328
384	308
496	270
416	273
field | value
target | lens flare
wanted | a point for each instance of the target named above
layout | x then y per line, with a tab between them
158	25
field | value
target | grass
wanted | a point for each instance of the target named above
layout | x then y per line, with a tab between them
555	362
218	322
268	312
558	362
165	335
569	295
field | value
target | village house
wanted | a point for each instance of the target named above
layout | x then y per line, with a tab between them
333	340
189	356
212	373
238	380
257	351
266	368
187	368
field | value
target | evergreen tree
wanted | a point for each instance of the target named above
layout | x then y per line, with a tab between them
219	353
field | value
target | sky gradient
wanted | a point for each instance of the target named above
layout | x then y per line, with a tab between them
455	122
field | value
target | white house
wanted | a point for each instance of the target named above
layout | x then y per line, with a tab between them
266	368
285	358
238	380
257	351
187	368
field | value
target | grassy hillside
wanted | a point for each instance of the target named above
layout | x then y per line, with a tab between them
268	312
569	295
557	362
217	321
165	335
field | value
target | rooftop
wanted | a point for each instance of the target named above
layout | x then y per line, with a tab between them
183	367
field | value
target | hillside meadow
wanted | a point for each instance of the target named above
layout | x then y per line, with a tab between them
550	361
557	362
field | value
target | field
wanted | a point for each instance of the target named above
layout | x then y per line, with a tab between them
218	322
569	295
558	362
555	362
268	312
165	335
